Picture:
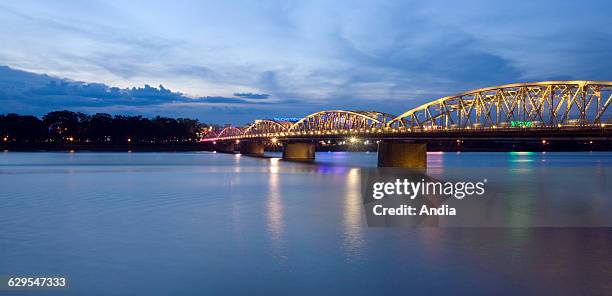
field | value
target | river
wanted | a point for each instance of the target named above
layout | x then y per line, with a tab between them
208	223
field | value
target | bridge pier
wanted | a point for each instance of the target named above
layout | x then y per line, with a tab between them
225	147
299	151
252	148
402	155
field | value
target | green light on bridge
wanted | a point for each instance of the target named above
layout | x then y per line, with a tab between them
521	123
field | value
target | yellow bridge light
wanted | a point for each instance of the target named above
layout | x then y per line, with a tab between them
237	141
352	139
274	140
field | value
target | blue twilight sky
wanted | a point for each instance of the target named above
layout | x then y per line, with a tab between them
236	61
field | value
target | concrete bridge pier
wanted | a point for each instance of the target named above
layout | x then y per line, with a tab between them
299	151
225	147
253	148
402	155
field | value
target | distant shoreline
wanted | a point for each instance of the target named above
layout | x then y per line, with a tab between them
465	146
43	147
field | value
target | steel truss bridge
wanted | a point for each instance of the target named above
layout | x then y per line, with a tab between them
537	109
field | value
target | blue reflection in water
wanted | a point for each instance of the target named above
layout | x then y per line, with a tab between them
211	223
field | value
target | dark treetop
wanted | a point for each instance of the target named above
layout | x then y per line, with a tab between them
66	127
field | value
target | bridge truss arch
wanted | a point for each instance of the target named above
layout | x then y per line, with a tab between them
227	132
543	104
266	127
341	120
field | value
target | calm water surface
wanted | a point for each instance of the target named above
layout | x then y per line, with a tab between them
206	223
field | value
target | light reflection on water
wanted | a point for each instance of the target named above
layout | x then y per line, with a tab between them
275	209
211	223
353	212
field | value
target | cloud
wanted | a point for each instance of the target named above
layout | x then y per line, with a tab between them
43	93
295	56
76	94
195	71
252	96
221	100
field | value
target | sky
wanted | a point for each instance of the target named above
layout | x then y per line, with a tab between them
237	61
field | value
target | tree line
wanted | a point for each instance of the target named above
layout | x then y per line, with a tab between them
65	127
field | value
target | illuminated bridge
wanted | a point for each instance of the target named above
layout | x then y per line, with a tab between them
550	110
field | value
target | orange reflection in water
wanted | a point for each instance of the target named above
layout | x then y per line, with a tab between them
353	211
275	222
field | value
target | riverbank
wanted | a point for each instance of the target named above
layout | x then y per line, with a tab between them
444	146
42	147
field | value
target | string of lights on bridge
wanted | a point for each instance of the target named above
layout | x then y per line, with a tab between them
550	105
